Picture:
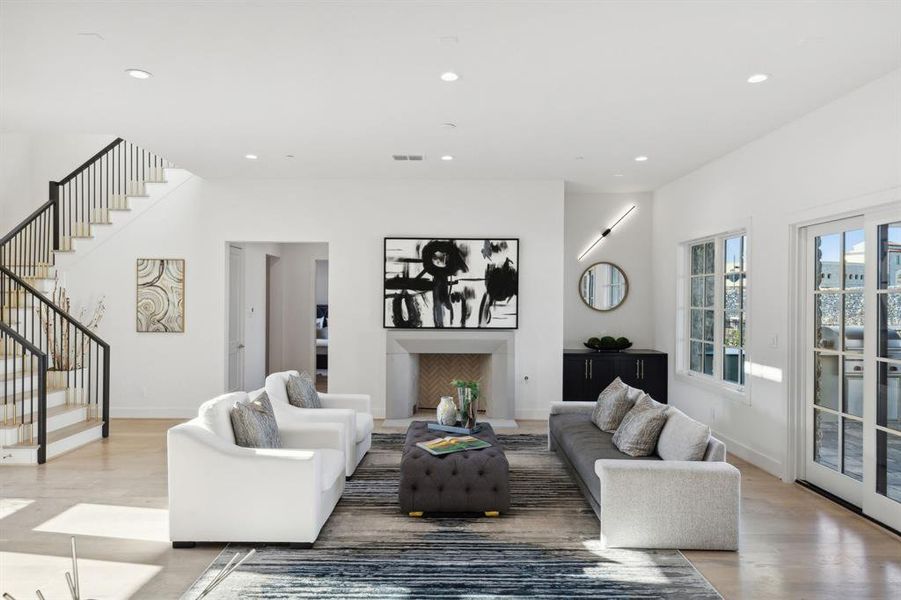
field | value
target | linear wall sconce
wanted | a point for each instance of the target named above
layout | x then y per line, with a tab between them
605	233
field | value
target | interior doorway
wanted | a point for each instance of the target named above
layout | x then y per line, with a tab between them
321	317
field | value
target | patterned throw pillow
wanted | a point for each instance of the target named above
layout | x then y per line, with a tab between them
645	401
613	404
637	434
302	391
253	422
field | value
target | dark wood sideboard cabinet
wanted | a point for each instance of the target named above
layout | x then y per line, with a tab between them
587	373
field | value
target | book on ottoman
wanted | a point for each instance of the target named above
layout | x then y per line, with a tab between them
448	445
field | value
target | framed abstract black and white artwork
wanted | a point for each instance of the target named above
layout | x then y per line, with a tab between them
459	283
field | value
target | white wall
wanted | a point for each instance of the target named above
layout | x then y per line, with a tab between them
171	374
28	162
842	157
627	246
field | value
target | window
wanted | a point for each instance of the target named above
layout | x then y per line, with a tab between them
717	319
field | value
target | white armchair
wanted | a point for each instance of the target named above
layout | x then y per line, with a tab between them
352	411
221	492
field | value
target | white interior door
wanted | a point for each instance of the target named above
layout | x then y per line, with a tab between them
853	361
235	318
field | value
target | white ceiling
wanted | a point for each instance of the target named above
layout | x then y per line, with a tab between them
344	85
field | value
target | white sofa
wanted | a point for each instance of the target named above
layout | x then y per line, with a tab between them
352	411
222	492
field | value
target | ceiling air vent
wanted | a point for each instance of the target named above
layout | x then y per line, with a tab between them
408	157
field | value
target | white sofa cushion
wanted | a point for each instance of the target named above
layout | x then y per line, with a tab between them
364	426
682	438
215	415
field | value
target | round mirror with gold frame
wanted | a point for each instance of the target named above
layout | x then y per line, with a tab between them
603	286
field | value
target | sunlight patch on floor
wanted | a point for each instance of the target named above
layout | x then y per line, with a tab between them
10	505
22	574
106	520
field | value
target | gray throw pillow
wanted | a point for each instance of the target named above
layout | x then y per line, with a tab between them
645	401
613	404
302	391
682	438
253	422
637	434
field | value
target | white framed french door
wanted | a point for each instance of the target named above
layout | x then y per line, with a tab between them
836	377
852	361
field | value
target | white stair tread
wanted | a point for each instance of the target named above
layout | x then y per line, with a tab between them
64	432
54	411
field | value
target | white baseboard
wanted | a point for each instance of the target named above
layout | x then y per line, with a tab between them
164	412
767	463
535	414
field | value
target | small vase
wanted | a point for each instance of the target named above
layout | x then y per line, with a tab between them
447	411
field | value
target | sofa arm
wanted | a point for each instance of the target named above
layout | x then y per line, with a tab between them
669	504
562	408
356	402
313	435
212	482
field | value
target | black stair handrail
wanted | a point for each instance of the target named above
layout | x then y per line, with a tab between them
8	332
90	161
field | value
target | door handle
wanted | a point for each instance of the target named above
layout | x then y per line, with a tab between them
637	369
642	368
590	370
586	369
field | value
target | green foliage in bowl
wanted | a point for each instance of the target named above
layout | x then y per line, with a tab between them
608	343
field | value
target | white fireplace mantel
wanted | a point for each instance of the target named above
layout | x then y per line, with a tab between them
402	366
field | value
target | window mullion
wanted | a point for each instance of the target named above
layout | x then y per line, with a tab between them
719	310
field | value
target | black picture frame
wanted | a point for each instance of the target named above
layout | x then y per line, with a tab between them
385	241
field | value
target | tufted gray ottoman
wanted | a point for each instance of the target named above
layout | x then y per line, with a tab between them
470	481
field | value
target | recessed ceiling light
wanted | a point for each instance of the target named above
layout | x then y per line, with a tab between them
449	76
641	158
580	158
758	78
617	174
251	156
139	73
447	157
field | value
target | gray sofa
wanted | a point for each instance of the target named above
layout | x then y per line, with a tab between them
647	502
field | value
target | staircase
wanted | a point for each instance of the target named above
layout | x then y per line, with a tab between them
54	370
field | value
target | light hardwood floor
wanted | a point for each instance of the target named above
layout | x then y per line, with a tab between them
794	543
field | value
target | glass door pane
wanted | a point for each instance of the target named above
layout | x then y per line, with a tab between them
837	256
888	362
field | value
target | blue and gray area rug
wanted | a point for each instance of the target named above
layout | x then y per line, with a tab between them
547	546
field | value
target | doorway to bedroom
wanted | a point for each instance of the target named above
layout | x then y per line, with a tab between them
322	322
278	312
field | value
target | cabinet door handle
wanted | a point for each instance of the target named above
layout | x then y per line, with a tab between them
586	369
642	368
637	369
590	370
